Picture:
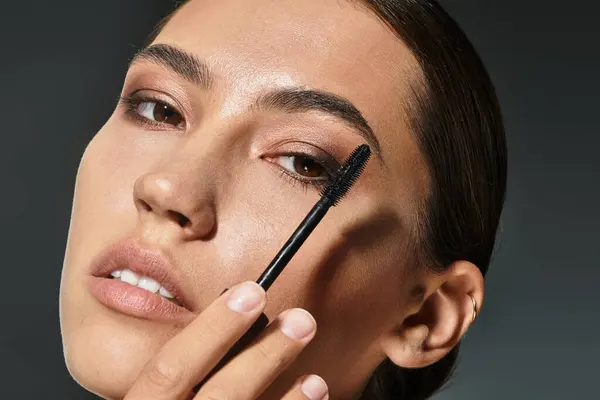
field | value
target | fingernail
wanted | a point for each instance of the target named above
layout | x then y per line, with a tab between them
246	297
314	387
297	324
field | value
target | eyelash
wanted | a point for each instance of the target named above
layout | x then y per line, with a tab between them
132	103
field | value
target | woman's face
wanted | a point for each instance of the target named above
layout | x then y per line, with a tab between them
216	164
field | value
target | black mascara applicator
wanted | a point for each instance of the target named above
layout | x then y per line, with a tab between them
331	195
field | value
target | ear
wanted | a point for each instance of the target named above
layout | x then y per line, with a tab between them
443	318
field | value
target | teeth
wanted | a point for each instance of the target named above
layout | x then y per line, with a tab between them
116	274
130	277
164	292
143	282
149	284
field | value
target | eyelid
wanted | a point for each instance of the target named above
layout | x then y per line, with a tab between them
146	79
330	164
298	147
158	97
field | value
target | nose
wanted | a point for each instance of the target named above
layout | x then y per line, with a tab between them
184	202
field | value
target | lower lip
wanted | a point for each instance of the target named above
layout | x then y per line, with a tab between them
132	300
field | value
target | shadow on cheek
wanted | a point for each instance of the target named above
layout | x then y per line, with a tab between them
375	241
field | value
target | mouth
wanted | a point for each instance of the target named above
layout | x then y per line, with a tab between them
139	282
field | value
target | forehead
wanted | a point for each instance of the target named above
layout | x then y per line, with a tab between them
334	45
338	46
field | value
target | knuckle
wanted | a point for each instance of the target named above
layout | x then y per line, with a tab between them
164	374
269	355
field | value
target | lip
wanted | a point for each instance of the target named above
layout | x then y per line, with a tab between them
129	299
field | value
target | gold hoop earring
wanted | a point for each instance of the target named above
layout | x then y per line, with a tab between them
474	307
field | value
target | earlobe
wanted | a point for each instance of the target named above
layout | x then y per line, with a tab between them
445	315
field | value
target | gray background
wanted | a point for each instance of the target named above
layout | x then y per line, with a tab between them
62	64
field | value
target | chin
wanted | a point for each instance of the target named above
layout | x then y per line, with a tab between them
106	355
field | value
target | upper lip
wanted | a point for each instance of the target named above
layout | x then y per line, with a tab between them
144	261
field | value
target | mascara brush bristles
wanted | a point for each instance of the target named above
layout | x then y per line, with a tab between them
347	175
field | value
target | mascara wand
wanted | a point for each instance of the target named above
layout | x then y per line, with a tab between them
331	195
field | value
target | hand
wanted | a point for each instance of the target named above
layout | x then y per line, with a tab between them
187	358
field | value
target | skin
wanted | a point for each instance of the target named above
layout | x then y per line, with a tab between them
356	274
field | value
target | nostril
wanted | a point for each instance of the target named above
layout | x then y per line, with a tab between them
183	220
180	218
144	205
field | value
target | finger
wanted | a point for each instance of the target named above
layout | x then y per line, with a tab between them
253	370
311	387
189	356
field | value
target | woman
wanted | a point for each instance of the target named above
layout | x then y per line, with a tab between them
229	122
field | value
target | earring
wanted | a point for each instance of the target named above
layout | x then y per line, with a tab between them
474	307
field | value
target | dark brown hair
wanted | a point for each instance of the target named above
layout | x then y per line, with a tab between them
456	119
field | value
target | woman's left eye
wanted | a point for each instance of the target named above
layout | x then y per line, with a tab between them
306	168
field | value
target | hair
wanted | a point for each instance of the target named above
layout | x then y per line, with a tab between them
457	122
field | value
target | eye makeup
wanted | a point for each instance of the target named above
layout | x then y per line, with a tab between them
297	161
303	163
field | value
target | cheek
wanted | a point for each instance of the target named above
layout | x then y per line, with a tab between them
256	217
361	282
103	186
96	345
349	269
103	208
353	278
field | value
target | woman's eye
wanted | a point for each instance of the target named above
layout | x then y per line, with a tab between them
159	112
304	166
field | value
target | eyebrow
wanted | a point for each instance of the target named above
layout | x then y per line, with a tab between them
289	100
298	100
184	64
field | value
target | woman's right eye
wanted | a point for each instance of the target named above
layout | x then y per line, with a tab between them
154	111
